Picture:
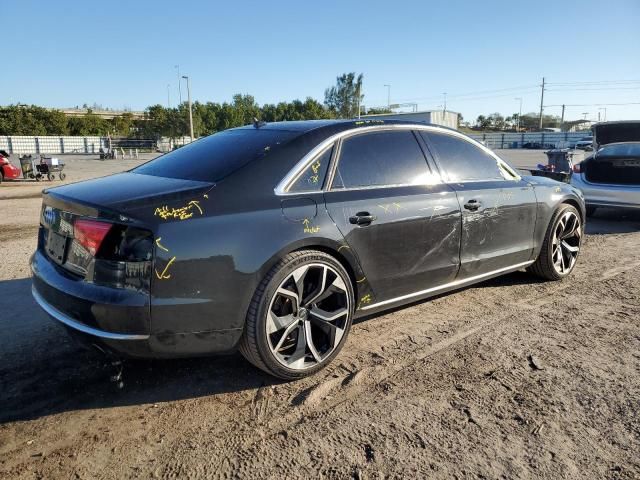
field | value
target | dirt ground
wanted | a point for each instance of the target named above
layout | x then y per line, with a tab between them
512	378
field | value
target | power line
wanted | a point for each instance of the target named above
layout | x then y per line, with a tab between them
566	89
600	82
459	95
593	104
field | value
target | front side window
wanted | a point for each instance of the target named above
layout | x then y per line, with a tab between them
462	160
381	158
312	177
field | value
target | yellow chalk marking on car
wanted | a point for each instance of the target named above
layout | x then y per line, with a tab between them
361	280
182	213
164	275
308	228
159	245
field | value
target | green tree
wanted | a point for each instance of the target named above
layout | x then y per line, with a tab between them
342	99
122	124
89	124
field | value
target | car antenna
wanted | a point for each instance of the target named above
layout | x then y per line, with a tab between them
258	123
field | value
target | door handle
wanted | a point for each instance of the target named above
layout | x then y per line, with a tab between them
472	205
362	219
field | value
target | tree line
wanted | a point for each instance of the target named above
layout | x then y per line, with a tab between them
341	101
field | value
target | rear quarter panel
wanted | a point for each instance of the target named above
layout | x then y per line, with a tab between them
550	195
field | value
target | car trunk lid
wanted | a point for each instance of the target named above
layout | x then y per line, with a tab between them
101	231
611	170
616	132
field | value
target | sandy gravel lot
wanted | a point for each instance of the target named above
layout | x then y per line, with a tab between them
513	378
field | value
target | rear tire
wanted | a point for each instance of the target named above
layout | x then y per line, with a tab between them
591	211
300	315
561	245
50	177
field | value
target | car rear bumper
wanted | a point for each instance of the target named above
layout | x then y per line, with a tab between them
601	195
116	321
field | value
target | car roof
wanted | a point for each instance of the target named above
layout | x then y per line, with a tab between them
304	126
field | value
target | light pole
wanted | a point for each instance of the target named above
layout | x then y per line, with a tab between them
444	104
179	85
519	113
189	100
604	119
388	97
168	95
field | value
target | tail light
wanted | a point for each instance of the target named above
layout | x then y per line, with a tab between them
90	234
577	168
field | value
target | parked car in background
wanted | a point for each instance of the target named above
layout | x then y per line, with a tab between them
585	143
272	238
8	171
611	176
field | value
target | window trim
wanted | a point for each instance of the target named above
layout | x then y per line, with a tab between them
281	188
295	178
500	164
337	159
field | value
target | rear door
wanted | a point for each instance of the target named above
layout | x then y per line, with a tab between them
498	208
395	213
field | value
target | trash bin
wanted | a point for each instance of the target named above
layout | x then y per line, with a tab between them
563	159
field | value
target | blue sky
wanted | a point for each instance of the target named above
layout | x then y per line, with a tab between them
122	54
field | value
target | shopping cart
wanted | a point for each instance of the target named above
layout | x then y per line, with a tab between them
46	166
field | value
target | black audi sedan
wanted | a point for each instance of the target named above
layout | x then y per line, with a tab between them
272	238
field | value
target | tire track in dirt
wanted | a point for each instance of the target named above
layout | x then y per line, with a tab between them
217	436
14	232
365	370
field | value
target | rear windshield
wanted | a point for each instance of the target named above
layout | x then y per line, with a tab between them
620	150
212	158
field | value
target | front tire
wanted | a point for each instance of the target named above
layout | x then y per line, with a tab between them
300	316
561	245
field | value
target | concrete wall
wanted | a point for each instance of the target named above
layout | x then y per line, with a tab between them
35	145
19	145
516	140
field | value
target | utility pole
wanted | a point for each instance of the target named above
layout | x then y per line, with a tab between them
189	100
358	100
388	97
562	118
168	95
541	104
179	85
444	104
519	114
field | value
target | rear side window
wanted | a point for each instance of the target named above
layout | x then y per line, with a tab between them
312	177
212	158
381	158
462	160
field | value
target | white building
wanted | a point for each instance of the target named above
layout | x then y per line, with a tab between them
445	118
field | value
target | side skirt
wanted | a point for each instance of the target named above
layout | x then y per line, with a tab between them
446	287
